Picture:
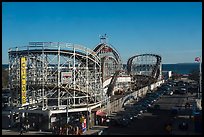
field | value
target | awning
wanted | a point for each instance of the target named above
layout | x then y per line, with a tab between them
101	113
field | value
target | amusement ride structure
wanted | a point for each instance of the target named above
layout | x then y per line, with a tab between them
58	77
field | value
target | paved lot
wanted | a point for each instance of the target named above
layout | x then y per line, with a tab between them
152	122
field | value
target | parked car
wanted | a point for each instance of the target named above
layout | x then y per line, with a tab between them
169	93
157	106
183	126
174	111
182	91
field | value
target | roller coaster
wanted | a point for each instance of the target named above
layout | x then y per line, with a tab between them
145	69
110	59
57	74
64	74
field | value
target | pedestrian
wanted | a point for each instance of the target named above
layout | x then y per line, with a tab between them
60	131
28	127
77	130
169	128
53	129
190	116
33	124
80	131
21	131
102	121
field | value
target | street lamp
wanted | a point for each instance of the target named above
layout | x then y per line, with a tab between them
67	116
87	122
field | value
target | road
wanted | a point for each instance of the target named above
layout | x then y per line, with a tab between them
152	122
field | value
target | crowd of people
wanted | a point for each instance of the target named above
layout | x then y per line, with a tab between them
72	130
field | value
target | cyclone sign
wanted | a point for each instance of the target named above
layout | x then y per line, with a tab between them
23	81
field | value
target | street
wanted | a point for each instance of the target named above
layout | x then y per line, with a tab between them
153	121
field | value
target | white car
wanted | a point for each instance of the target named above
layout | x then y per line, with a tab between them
171	93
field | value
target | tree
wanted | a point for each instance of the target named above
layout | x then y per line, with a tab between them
5	78
176	76
194	75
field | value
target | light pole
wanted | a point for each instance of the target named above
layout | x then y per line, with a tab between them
198	59
67	116
200	92
87	121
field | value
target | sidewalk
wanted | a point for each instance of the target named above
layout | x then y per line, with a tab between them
10	132
96	130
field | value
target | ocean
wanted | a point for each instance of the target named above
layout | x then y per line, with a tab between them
180	68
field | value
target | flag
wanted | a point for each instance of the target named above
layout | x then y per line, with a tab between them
197	59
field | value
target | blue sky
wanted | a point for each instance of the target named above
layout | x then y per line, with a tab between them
170	29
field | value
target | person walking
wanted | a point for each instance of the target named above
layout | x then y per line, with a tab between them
21	131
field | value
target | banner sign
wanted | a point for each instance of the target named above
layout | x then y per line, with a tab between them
23	80
106	50
66	77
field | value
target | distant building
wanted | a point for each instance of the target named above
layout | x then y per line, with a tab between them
166	74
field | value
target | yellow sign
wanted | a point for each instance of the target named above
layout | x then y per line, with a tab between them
23	81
